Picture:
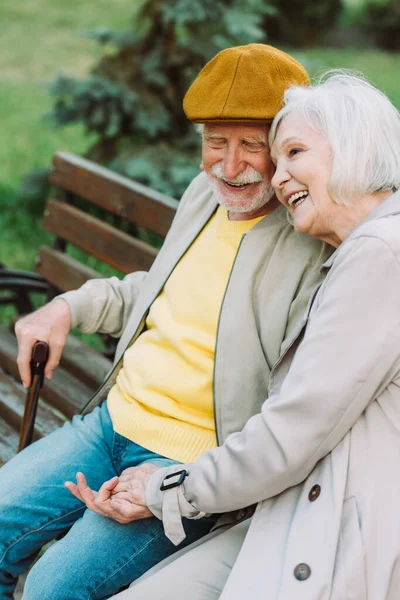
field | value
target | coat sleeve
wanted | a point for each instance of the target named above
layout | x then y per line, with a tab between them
348	354
104	305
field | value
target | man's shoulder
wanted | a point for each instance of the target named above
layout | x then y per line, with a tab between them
198	196
198	192
305	248
199	186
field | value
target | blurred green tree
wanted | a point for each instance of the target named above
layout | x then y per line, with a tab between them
132	99
301	22
382	20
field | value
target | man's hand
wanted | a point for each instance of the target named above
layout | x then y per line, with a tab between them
122	499
50	324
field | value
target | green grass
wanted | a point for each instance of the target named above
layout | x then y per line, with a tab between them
39	39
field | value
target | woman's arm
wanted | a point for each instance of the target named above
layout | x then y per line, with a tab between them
349	352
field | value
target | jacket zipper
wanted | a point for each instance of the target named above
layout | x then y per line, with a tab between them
216	339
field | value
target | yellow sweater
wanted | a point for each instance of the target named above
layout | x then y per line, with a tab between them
163	397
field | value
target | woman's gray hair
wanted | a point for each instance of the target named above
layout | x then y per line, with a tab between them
361	126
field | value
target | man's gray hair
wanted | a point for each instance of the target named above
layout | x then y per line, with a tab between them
199	127
361	126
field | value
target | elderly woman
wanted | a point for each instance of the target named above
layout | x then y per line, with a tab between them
322	459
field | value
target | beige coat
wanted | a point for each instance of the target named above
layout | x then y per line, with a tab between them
323	456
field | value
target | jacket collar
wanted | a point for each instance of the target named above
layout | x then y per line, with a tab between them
391	206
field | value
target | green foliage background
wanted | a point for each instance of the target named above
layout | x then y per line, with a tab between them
119	89
382	20
132	100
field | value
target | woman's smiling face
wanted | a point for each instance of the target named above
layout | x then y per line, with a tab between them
303	168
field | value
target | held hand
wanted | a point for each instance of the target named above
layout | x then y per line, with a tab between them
50	324
121	498
131	487
98	502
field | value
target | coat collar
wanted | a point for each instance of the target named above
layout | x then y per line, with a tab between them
391	206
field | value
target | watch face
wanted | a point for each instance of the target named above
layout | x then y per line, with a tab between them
173	480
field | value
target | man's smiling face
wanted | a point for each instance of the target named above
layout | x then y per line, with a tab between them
237	161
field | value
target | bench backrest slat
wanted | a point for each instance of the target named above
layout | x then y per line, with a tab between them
121	196
63	271
104	242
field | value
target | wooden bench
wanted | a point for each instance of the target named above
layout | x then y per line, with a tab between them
101	214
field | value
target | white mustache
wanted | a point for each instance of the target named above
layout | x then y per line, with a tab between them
249	175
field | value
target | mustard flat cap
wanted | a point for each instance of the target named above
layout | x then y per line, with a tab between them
243	84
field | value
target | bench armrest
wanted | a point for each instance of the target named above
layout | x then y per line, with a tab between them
19	285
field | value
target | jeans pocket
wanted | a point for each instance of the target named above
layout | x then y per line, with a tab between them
119	446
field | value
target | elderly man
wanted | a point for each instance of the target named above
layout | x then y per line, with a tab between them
199	335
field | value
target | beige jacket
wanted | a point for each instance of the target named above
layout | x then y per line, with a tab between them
273	275
322	457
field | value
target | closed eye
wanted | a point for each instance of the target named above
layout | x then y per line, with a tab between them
215	142
293	151
252	146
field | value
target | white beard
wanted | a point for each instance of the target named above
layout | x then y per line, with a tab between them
240	203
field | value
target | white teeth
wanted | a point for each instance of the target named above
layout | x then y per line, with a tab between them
297	196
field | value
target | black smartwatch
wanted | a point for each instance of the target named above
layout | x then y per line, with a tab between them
177	478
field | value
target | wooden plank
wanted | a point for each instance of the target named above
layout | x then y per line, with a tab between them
8	352
8	442
66	393
63	392
12	404
120	195
63	271
99	239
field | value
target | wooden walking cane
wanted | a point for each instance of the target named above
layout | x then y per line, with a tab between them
40	353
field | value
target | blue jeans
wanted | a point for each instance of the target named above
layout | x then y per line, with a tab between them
97	556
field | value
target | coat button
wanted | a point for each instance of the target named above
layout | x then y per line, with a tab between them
302	572
314	493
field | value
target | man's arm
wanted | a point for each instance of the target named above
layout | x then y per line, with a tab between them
104	305
99	305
